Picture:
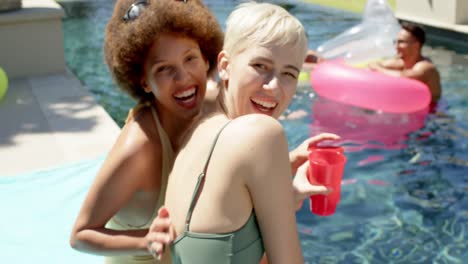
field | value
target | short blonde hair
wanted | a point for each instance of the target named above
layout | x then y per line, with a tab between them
264	24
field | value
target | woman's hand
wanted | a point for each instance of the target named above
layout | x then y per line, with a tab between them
303	188
160	234
299	166
299	155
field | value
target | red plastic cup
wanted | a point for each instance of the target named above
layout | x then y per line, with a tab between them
326	168
326	148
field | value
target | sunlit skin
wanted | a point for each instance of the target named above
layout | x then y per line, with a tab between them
257	80
410	63
268	82
134	163
176	74
259	83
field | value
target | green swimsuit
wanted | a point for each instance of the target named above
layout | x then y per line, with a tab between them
242	246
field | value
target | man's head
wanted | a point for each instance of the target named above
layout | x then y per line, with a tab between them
410	40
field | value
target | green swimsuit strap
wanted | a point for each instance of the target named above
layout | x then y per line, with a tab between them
201	177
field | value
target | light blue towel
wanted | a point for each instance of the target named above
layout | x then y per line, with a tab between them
37	211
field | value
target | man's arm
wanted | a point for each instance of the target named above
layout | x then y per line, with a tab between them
387	64
392	67
423	71
426	72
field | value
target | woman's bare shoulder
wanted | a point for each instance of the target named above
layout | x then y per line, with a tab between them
141	131
252	144
254	134
136	155
257	127
138	142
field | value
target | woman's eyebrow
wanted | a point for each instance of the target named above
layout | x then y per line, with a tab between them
289	66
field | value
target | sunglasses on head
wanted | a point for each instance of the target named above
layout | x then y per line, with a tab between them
136	8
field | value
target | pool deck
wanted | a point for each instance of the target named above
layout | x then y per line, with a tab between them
47	117
51	120
439	14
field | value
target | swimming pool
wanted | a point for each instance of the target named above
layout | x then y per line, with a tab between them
403	194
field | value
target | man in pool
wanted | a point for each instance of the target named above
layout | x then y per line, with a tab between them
410	62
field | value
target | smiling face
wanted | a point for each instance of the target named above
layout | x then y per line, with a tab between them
406	44
260	79
175	72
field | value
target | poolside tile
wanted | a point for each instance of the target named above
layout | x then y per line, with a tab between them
50	120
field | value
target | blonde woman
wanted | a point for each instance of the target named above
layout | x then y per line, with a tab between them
158	51
230	191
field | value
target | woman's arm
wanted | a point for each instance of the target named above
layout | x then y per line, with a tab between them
162	235
270	185
131	162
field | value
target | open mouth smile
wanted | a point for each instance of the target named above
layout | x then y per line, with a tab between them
265	106
187	98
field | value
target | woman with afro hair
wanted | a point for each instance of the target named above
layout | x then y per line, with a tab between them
160	52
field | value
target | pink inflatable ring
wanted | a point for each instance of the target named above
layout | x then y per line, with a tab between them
364	88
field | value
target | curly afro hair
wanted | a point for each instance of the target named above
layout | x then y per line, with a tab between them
127	43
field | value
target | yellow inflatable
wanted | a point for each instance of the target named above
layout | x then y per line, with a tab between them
303	76
3	83
364	64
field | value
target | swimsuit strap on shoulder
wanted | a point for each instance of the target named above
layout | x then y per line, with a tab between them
133	111
167	158
201	177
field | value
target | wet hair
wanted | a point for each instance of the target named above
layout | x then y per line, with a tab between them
253	24
128	41
416	31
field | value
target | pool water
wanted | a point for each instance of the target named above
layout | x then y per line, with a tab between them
404	189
